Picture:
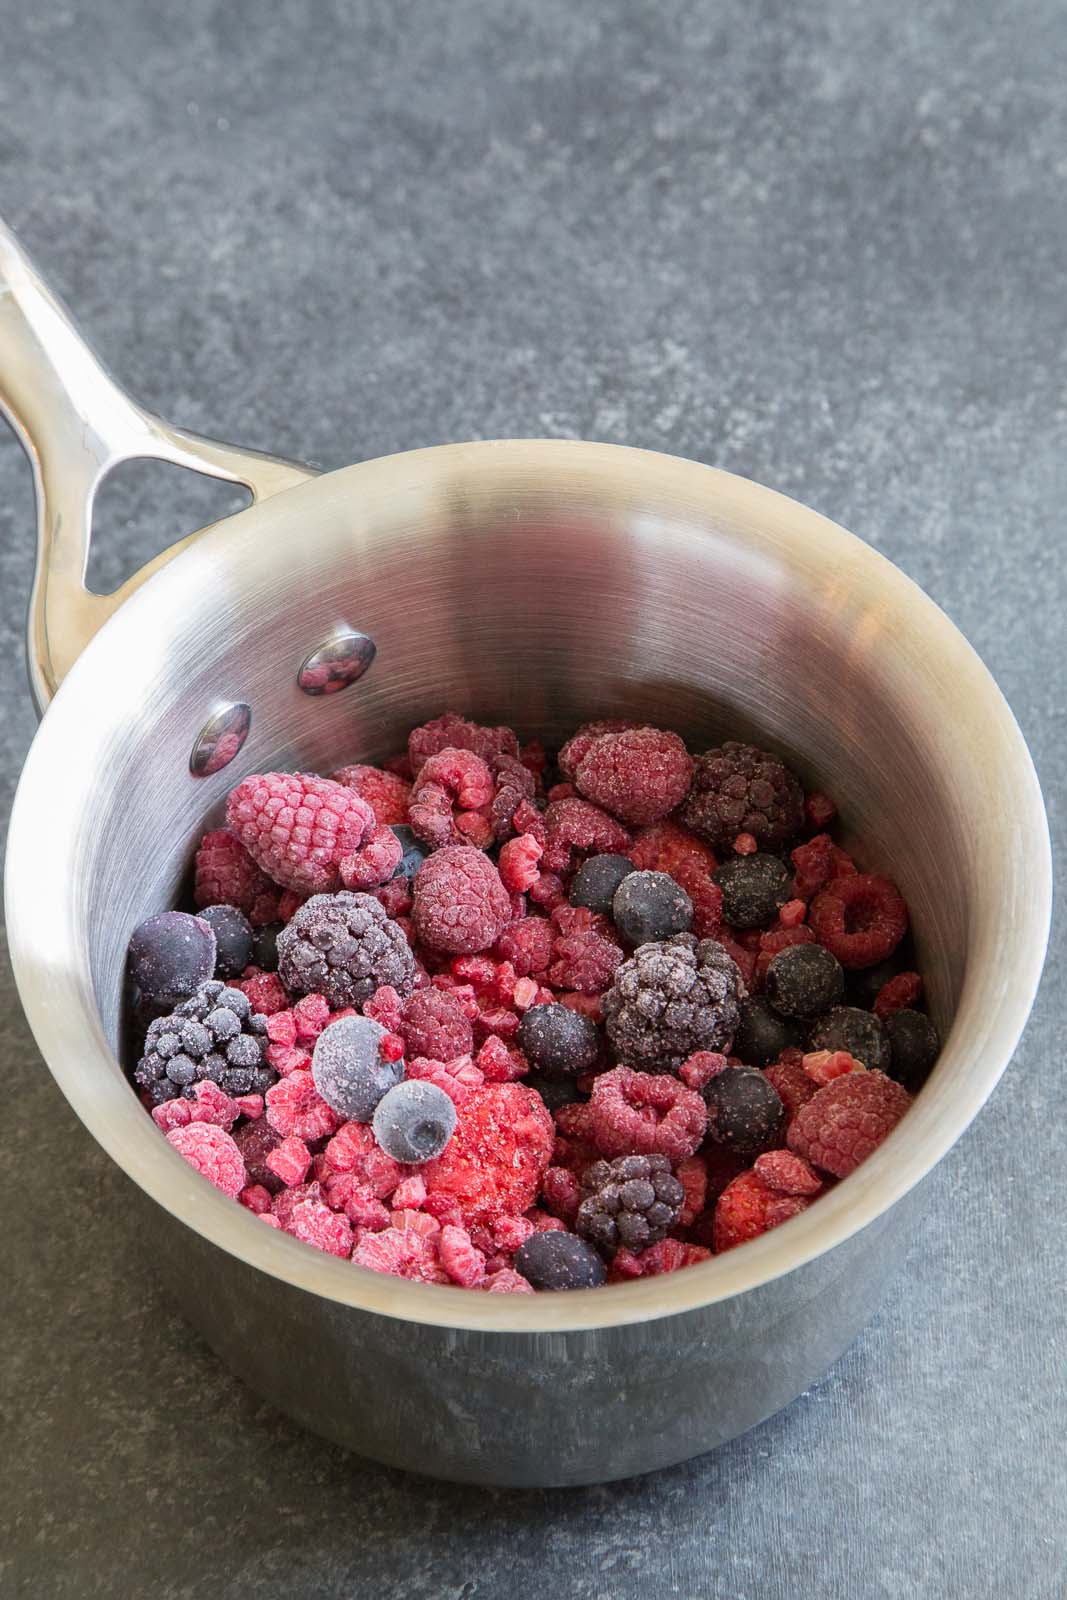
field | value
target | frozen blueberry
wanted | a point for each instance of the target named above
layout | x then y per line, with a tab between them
415	852
859	1032
754	888
265	946
556	1260
414	1121
596	881
557	1041
649	906
349	1072
555	1092
804	980
761	1034
233	939
914	1045
745	1111
170	955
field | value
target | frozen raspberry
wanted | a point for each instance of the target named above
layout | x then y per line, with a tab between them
290	1160
294	1106
638	775
640	1113
904	992
344	947
451	788
819	809
434	1024
460	903
410	1193
786	1173
701	1067
578	746
401	1252
817	863
494	1162
860	919
518	863
513	804
561	1193
227	875
385	792
213	1153
528	944
738	788
255	1198
314	1223
506	1281
692	1174
209	1103
823	1066
299	828
845	1122
794	1086
579	826
458	1078
631	1201
671	999
454	732
498	1063
584	961
464	1264
669	1255
373	865
354	1149
749	1207
668	847
265	992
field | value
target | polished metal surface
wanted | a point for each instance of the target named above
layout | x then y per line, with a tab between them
541	582
342	658
220	739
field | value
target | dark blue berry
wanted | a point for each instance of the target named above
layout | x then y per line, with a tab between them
415	852
414	1121
649	906
745	1110
914	1045
170	955
596	881
754	888
265	946
761	1034
557	1041
859	1032
233	939
348	1069
804	980
556	1260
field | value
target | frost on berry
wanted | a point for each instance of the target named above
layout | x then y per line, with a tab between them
579	744
749	1207
579	827
453	789
860	919
460	905
519	859
299	828
455	732
433	1023
642	1113
639	775
213	1153
842	1124
385	792
493	1164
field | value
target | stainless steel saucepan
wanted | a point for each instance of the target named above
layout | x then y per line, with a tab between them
538	583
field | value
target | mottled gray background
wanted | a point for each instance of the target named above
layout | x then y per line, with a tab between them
820	245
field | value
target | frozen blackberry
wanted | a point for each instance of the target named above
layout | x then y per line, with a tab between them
861	1033
349	1070
671	999
169	955
804	980
650	906
914	1045
213	1035
753	889
745	1110
265	946
344	946
415	852
256	1140
233	939
556	1260
762	1034
740	789
596	881
633	1201
414	1121
557	1041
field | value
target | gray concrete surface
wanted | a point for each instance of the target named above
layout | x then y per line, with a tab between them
823	246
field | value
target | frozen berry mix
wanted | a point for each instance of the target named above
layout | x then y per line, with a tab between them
516	1023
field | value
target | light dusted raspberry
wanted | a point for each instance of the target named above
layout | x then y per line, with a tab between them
668	847
401	1252
787	1173
638	775
373	864
226	875
817	863
528	944
314	1223
505	1280
584	960
579	744
518	863
794	1086
842	1124
578	826
902	993
290	1160
354	1149
450	800
454	732
860	919
494	1162
255	1198
460	904
299	828
701	1067
433	1023
692	1174
514	791
669	1255
213	1153
464	1264
385	792
265	990
642	1113
294	1106
749	1207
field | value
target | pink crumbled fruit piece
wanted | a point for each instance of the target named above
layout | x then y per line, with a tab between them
746	844
265	990
464	1264
213	1153
290	1160
294	1106
506	1281
385	792
255	1198
643	1113
701	1067
375	861
519	859
354	1149
310	1016
904	992
313	1222
225	874
823	1066
410	1193
250	1106
385	1007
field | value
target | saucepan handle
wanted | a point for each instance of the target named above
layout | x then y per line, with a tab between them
75	424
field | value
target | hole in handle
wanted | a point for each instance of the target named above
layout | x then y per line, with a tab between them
143	507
